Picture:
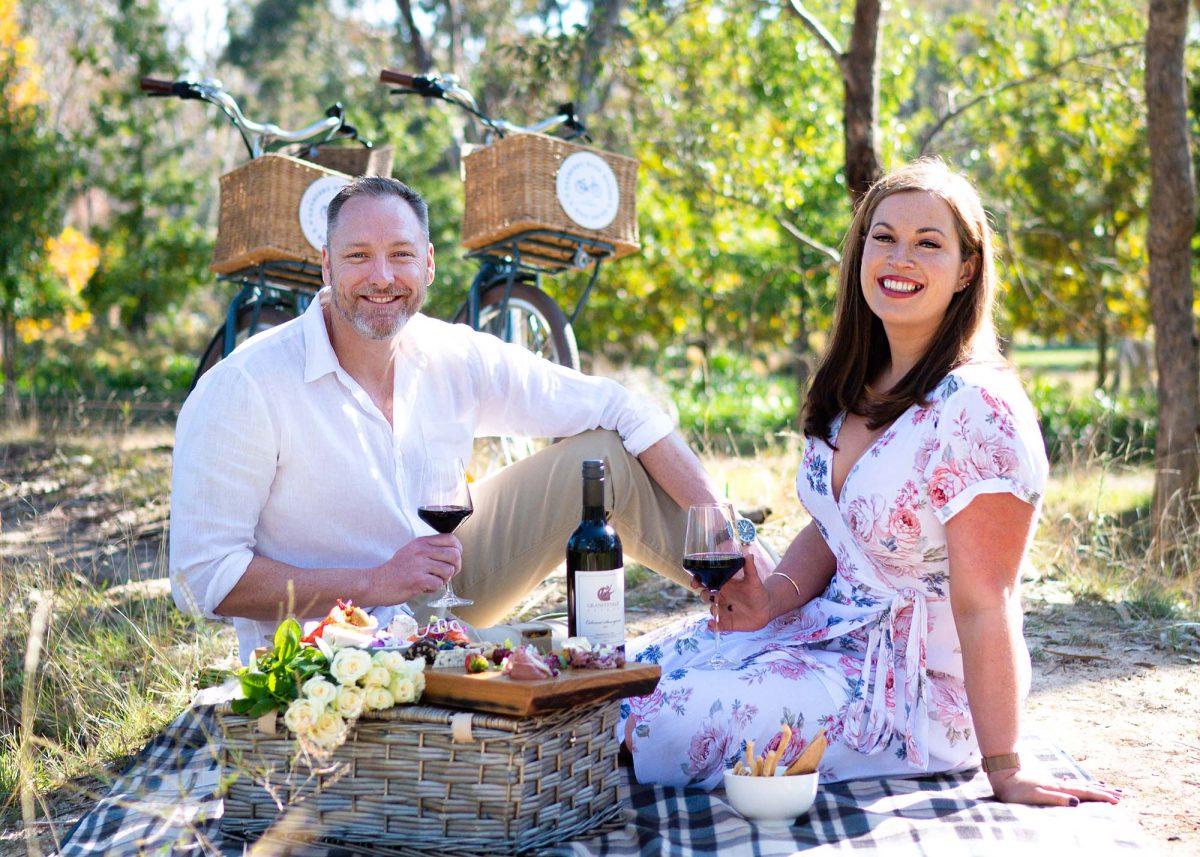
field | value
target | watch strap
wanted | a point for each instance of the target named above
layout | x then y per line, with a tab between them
991	764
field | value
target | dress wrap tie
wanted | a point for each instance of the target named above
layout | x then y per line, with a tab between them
871	719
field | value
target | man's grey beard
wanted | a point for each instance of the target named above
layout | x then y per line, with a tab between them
363	326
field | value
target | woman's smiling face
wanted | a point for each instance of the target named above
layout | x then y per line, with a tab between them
912	264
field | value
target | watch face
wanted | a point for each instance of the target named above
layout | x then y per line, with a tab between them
746	530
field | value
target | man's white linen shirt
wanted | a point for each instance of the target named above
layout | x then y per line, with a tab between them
280	453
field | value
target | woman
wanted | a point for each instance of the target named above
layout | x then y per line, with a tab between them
893	621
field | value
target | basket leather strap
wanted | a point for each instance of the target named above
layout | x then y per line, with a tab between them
460	728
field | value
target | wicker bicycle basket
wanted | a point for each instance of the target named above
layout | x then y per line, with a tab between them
514	186
402	784
264	206
353	160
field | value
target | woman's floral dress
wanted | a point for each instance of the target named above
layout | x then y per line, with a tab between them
875	660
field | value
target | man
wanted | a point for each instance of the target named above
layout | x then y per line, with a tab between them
297	458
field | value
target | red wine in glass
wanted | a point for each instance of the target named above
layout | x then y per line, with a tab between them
444	519
713	570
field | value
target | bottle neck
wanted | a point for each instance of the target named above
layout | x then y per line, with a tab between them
593	499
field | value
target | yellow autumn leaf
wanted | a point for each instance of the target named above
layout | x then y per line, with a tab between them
73	256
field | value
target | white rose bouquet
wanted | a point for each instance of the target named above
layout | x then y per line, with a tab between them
321	690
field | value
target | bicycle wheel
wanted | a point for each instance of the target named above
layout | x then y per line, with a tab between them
535	322
246	325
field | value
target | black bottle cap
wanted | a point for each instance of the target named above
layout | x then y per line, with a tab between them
593	468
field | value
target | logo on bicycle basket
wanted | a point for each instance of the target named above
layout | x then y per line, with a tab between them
314	206
587	190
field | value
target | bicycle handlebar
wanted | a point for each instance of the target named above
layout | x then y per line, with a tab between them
157	87
447	88
257	136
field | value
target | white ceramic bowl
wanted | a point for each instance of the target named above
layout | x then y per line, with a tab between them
777	798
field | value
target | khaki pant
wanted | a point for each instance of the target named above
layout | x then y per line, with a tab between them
525	513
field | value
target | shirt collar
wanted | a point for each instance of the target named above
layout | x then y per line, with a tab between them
319	357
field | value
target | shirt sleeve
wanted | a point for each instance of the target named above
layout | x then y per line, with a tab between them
985	443
524	394
226	448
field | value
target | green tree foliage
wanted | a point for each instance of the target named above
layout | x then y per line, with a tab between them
1042	105
35	168
155	245
735	110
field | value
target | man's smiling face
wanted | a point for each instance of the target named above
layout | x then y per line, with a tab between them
379	265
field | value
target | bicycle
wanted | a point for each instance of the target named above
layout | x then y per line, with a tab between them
270	292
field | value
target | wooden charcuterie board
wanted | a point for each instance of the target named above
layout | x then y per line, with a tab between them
497	693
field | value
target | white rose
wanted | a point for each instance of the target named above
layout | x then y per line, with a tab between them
302	714
377	677
393	662
379	698
320	690
350	701
403	690
418	680
329	731
349	665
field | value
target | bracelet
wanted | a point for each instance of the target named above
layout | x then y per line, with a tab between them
795	586
991	764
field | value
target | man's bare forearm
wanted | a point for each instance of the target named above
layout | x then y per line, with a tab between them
270	590
677	470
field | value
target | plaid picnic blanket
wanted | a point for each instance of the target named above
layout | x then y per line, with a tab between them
165	803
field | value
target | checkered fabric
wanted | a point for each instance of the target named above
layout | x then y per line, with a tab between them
165	803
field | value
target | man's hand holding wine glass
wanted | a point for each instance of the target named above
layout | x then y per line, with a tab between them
421	567
445	502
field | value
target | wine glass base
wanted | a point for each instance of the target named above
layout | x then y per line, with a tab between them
716	662
450	601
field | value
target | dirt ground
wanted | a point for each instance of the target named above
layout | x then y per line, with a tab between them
1119	693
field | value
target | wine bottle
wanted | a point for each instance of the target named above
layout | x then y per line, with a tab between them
595	569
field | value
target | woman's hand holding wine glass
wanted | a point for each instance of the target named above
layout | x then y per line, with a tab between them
712	555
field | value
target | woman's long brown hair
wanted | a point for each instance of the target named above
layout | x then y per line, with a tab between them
858	351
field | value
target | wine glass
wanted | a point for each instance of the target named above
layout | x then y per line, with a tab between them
712	555
445	502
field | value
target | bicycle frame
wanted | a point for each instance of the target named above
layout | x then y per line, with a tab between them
505	259
286	285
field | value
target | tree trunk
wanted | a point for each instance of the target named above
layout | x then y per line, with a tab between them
591	91
859	67
1172	217
418	54
8	340
454	29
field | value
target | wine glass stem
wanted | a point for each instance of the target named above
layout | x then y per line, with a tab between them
716	624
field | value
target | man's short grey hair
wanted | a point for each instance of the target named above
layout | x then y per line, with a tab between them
378	187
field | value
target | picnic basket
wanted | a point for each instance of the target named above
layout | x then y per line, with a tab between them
514	186
403	780
263	210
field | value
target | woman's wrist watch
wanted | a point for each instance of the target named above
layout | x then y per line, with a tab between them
992	764
746	531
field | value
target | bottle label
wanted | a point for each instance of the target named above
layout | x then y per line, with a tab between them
600	606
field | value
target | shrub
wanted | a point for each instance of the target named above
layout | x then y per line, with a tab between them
1097	426
726	396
